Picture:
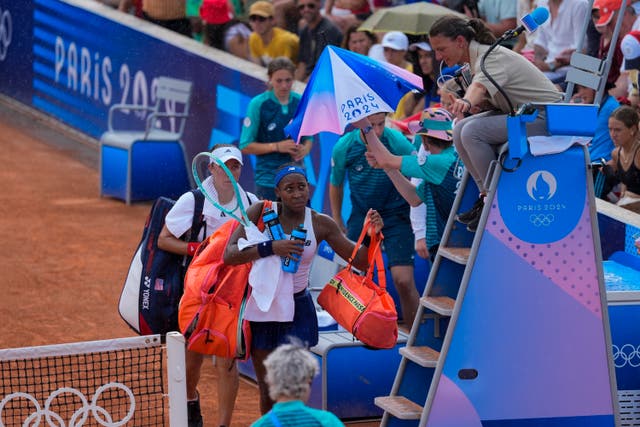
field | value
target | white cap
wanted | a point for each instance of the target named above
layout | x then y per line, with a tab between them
395	40
420	45
226	153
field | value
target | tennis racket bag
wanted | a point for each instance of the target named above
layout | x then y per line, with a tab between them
154	284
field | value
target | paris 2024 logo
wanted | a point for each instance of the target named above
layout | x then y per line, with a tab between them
542	202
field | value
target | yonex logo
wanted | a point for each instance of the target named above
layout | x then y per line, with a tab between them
6	31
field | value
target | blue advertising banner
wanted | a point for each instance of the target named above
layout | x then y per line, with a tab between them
73	60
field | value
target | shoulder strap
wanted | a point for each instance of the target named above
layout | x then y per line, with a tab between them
373	254
198	219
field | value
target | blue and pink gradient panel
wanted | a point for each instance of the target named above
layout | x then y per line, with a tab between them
531	324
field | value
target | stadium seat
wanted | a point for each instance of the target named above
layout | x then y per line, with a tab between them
151	162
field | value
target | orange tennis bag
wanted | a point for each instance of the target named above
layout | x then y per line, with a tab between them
211	311
358	304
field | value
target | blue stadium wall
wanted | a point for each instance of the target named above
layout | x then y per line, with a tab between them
74	59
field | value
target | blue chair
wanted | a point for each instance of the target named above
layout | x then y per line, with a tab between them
147	163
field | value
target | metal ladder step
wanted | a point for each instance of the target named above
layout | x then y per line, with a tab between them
457	255
400	407
422	355
440	305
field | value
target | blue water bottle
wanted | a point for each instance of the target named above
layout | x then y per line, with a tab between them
271	221
289	264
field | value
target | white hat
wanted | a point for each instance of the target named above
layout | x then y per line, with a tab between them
630	47
395	40
420	45
226	153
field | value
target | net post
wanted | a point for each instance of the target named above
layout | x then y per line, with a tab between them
176	377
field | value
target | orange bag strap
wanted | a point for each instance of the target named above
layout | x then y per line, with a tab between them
374	254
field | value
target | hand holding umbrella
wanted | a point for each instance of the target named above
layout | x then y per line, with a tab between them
344	87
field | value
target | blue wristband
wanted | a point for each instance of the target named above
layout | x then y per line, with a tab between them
265	249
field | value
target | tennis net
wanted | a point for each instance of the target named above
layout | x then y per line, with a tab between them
98	383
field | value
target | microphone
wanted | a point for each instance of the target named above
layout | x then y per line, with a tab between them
530	23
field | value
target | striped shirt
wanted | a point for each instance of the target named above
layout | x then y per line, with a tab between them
296	414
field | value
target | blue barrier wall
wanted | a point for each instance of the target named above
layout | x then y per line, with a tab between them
74	59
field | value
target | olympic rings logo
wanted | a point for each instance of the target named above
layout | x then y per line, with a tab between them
626	355
541	220
79	417
6	30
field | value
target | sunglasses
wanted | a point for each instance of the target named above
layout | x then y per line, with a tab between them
257	18
310	6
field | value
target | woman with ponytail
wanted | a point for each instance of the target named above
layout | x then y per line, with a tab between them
476	137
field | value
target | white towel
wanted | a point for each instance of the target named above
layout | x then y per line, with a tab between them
271	288
541	145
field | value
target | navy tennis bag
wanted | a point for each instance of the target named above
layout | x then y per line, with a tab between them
155	281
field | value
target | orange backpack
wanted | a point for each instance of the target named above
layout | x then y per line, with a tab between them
211	312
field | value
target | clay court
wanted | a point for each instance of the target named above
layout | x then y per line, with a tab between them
65	251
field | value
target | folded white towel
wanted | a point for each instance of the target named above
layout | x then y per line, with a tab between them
271	288
541	145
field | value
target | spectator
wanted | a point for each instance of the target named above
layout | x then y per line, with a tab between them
291	309
222	31
499	16
423	61
290	371
346	13
601	145
418	214
371	188
177	223
468	7
263	127
318	33
192	13
439	171
457	41
606	13
525	42
624	166
359	41
630	47
286	15
268	41
170	14
396	45
559	37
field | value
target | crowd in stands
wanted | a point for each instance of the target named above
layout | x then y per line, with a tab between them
287	36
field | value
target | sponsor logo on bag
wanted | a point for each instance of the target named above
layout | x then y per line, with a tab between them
347	295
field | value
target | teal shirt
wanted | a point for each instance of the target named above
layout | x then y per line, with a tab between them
370	187
296	414
441	175
264	123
